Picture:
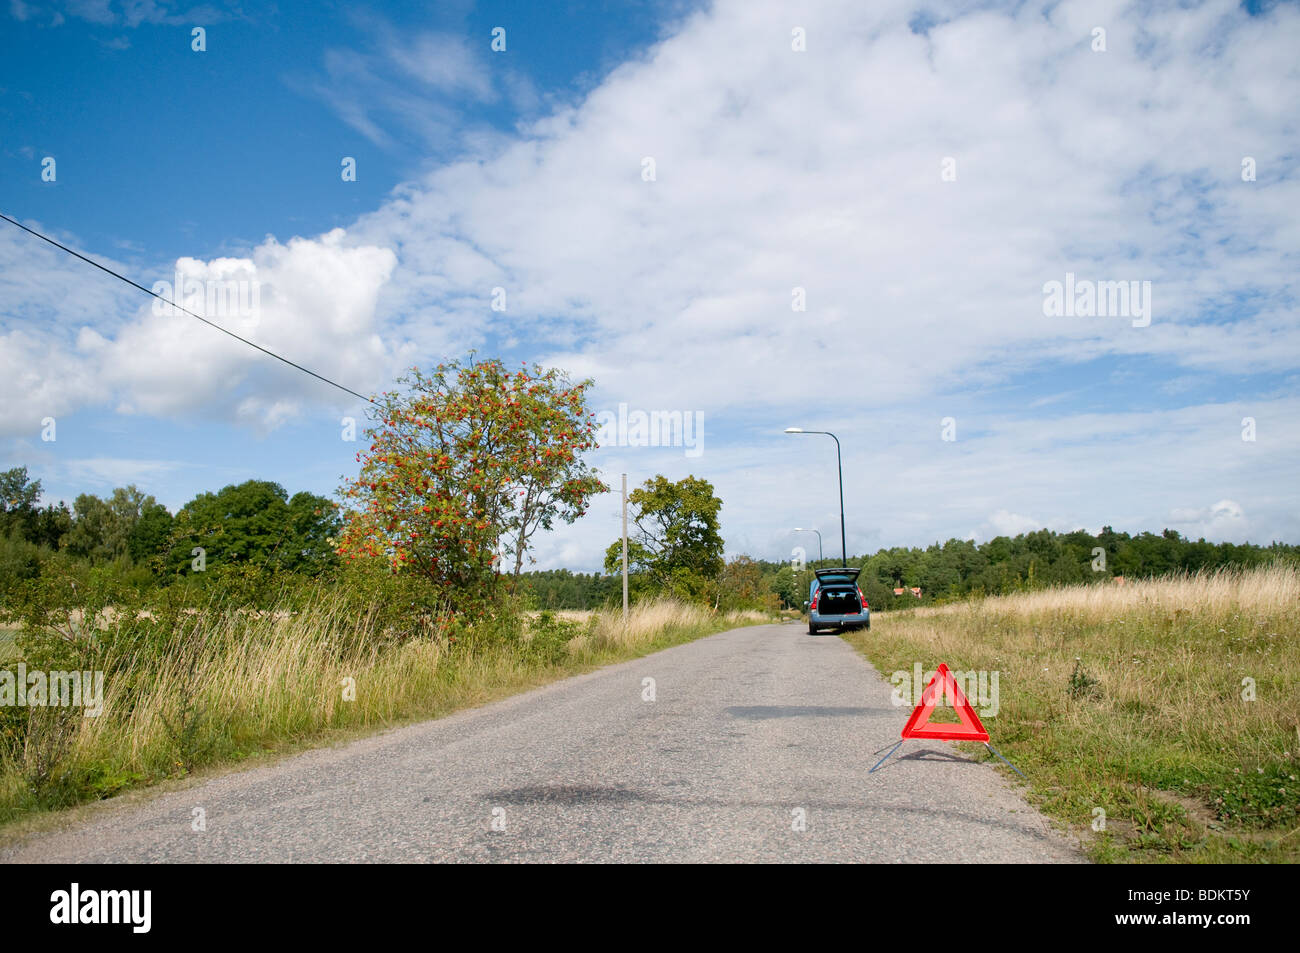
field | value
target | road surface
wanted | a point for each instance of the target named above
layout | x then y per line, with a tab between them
750	732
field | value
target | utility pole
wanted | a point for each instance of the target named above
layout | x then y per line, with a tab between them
624	548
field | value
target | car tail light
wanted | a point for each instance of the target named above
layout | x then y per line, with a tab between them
813	605
862	599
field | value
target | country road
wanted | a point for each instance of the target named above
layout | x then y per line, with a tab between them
746	728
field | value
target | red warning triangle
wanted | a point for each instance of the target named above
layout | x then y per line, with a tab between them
918	726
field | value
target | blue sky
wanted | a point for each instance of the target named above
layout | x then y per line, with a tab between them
776	168
153	134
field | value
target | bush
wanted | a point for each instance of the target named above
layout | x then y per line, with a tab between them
548	637
20	561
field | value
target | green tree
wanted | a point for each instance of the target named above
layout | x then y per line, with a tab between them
96	533
53	523
740	586
785	582
674	540
19	560
148	537
256	524
105	530
18	498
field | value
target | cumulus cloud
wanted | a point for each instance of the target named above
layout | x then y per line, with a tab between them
45	339
315	301
311	300
40	378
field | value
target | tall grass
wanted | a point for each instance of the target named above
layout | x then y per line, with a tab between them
1171	704
236	683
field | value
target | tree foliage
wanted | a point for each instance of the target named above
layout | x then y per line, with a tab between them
19	496
105	530
256	523
464	465
674	542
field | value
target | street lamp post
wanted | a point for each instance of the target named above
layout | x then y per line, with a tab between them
844	548
821	553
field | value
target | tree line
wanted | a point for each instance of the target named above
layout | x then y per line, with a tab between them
962	568
675	547
256	528
255	523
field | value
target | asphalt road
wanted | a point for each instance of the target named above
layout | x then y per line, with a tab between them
747	729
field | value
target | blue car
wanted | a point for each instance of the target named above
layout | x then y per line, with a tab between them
836	602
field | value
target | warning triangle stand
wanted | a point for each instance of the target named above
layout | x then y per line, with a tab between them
919	725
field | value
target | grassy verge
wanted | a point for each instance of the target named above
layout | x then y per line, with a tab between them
1171	705
247	684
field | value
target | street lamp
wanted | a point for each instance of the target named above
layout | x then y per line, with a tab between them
844	548
821	555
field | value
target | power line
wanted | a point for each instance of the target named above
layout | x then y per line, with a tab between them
210	324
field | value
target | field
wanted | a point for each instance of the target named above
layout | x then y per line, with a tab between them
232	685
1171	705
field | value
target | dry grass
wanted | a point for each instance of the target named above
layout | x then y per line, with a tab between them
648	623
1137	700
245	683
568	615
1266	591
643	621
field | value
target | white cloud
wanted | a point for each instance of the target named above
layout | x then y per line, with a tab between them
101	474
40	379
1223	520
317	307
1133	471
821	170
1003	523
310	300
398	83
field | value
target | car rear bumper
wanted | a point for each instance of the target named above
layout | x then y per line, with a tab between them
855	620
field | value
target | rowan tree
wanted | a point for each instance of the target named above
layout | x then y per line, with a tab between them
465	464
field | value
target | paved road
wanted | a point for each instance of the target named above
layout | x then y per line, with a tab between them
746	727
